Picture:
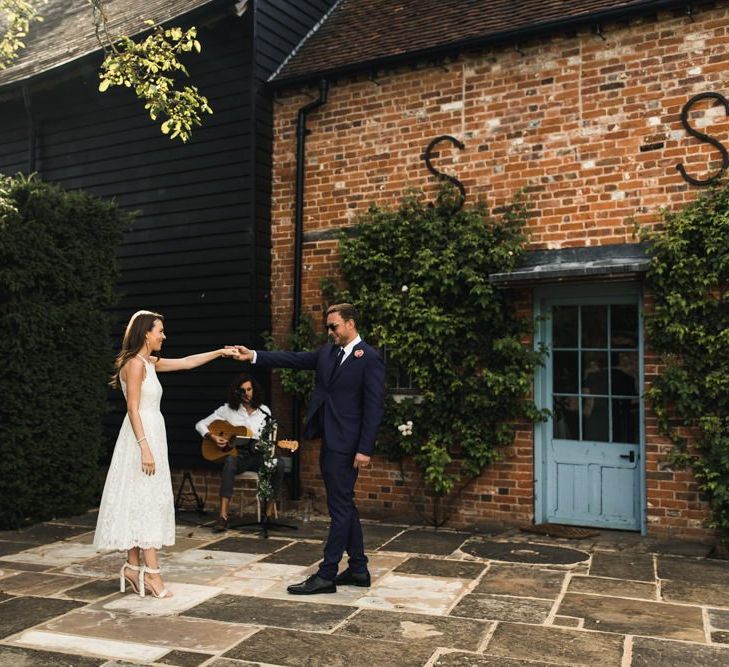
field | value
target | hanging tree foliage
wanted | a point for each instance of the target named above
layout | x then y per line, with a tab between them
689	329
148	65
17	16
420	276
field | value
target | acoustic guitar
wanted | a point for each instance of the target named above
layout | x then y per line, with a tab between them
236	436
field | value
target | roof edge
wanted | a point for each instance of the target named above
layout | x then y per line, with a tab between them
471	42
316	27
612	260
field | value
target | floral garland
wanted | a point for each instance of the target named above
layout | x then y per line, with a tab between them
267	447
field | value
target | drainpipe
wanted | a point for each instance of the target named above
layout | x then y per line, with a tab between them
301	132
31	129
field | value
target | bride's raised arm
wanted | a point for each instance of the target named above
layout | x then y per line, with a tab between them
163	365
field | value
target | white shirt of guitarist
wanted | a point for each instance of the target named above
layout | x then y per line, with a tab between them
240	417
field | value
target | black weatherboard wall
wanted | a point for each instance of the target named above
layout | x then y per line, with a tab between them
279	26
199	250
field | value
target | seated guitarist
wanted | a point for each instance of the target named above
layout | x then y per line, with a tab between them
243	408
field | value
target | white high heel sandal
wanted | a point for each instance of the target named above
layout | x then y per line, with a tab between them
124	580
164	593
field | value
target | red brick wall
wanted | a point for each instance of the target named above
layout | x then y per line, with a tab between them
206	484
590	127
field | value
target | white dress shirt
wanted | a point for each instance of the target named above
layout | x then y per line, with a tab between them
240	417
349	347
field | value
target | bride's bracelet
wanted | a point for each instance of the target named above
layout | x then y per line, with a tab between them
141	439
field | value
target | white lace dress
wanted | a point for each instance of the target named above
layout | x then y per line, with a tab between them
137	510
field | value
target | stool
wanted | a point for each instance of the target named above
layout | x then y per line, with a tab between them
252	475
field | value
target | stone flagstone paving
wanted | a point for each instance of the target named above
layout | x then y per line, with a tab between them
438	598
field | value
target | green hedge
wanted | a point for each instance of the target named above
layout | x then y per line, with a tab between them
57	275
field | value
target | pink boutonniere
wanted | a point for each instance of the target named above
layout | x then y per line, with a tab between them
359	353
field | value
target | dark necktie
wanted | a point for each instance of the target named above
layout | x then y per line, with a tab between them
337	361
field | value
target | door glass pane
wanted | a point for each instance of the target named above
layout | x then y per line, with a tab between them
564	372
566	418
624	373
564	326
594	326
595	419
624	326
625	420
594	373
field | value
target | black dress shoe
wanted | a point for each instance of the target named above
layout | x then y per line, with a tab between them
313	585
349	578
220	525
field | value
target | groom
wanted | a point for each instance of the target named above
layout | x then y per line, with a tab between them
345	411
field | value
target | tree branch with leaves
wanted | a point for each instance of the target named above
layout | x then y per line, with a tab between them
149	65
17	17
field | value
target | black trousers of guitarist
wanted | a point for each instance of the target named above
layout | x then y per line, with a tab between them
234	465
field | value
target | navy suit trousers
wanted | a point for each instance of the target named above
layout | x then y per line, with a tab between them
345	530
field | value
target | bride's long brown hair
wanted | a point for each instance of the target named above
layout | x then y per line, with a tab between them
134	336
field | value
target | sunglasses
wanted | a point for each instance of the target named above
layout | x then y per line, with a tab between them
332	327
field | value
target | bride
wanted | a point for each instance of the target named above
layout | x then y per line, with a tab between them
137	511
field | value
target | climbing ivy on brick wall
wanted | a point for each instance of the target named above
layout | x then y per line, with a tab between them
420	275
689	329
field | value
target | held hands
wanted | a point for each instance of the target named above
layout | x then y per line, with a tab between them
239	352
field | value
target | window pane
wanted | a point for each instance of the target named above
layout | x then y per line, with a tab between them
395	376
594	326
624	326
594	373
565	422
405	380
624	373
595	422
625	420
391	375
564	326
564	372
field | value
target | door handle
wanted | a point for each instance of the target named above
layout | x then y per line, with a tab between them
630	457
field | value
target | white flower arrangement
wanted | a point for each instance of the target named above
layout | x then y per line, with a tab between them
406	428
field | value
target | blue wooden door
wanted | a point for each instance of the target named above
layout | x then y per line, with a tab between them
591	447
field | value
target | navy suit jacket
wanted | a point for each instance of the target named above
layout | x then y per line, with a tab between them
346	406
